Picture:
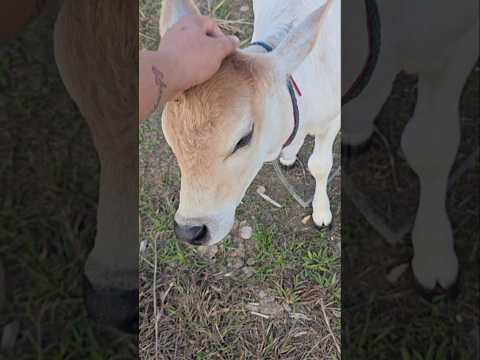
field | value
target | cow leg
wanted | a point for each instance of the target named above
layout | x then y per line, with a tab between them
94	67
289	154
358	116
430	143
320	164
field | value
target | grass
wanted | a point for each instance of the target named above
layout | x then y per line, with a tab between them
47	217
290	270
383	320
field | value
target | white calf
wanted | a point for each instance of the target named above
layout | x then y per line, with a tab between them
438	41
224	130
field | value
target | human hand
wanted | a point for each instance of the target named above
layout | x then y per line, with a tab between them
195	47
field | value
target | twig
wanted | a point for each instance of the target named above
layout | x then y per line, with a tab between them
258	314
261	192
329	327
155	297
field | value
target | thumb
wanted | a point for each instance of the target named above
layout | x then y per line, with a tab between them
228	44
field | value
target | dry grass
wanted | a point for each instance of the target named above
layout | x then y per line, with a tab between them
275	296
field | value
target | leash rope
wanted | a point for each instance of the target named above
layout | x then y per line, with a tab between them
374	41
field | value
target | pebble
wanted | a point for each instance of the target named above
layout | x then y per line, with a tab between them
246	232
208	252
251	261
307	220
244	8
396	273
248	271
143	246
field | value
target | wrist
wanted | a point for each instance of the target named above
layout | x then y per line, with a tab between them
168	63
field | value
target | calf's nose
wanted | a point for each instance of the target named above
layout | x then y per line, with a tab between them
195	235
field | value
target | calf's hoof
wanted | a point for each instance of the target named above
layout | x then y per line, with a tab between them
323	220
432	295
116	308
288	163
436	276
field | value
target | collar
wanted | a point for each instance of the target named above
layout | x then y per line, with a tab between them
374	43
292	88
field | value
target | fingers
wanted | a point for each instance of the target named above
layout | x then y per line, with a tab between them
211	29
227	44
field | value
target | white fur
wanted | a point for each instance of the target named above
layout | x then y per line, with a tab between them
318	77
437	41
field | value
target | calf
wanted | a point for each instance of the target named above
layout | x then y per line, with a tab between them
224	130
438	42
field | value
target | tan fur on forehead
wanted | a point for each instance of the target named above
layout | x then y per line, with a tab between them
208	110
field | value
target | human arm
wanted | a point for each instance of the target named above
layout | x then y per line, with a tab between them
189	54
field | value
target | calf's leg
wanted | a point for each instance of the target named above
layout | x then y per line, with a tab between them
430	142
96	49
289	154
320	164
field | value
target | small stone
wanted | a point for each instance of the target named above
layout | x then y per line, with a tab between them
396	273
244	8
248	271
207	252
307	220
251	261
246	232
261	189
143	246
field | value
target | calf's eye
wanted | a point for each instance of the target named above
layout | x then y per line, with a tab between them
244	141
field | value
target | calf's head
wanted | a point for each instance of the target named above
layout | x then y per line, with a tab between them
222	131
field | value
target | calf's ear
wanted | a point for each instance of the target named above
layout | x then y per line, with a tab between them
300	41
173	10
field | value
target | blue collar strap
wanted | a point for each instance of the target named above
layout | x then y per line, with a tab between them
291	90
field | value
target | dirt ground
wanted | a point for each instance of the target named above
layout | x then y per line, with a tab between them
275	296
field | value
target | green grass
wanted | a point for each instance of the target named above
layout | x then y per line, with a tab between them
203	314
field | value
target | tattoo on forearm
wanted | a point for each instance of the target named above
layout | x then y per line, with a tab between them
159	81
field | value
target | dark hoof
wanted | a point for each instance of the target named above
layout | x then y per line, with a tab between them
112	307
321	228
438	293
351	151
